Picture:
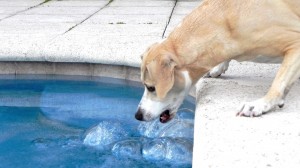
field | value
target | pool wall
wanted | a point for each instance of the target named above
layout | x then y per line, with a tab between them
84	69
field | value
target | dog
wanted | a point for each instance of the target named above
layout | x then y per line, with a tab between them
209	37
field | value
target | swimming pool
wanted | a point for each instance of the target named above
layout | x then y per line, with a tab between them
73	121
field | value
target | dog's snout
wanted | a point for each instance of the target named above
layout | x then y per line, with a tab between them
139	115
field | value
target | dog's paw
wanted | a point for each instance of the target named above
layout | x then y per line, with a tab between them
258	107
218	70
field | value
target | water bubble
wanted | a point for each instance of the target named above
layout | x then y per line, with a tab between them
155	150
175	128
105	134
180	150
128	149
171	150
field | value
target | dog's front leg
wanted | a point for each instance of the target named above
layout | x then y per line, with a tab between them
218	70
288	73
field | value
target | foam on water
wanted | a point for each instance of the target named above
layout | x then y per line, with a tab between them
86	123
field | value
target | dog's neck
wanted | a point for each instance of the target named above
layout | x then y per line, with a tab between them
194	62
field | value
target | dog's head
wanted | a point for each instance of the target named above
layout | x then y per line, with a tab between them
166	84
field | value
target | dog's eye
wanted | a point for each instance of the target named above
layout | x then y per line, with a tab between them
151	88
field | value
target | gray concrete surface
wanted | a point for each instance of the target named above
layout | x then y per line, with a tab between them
78	37
224	140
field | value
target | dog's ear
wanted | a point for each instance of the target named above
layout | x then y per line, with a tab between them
165	75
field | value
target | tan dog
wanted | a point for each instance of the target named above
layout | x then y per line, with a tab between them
213	34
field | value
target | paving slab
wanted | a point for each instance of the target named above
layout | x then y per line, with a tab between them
62	10
181	9
115	35
146	13
53	18
2	16
11	9
128	19
20	3
19	47
90	48
142	3
137	10
24	35
18	28
118	29
76	3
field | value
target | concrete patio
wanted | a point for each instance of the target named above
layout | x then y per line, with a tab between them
77	36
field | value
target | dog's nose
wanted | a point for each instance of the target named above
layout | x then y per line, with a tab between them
139	115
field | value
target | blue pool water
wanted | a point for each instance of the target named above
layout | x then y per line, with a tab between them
68	121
